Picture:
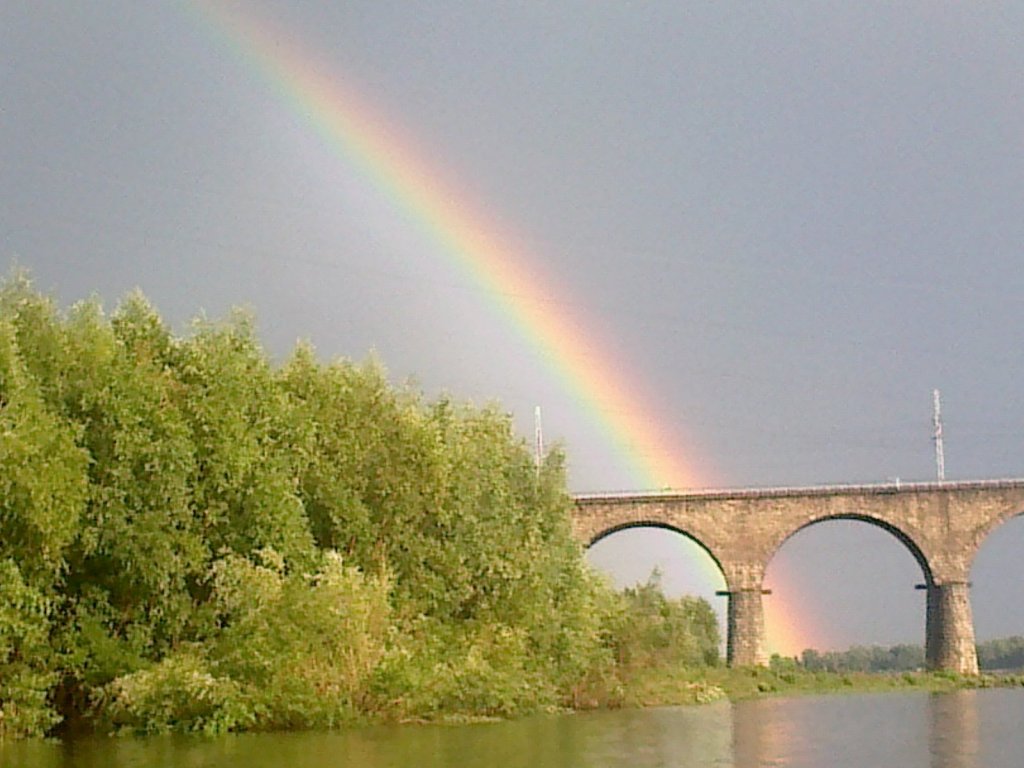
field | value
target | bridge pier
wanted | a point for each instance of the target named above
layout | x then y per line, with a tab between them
949	628
746	637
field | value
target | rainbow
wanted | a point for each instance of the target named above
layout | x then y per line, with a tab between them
788	631
356	134
372	147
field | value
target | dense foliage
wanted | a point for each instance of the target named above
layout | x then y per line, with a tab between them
194	539
652	630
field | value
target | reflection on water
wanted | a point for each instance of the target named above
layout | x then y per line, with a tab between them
641	738
953	736
969	729
934	730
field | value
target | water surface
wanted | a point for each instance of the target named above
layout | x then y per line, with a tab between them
967	729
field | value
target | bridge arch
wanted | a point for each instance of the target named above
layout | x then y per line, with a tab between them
990	526
995	565
604	533
906	539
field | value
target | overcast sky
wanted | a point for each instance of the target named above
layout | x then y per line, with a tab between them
791	221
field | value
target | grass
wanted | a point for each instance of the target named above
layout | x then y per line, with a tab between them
666	687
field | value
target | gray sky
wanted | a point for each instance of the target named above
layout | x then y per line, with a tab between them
790	221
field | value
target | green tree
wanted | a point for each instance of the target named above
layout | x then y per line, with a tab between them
244	486
42	496
138	547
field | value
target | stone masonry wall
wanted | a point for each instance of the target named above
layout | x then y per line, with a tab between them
942	524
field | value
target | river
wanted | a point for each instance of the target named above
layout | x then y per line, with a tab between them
967	729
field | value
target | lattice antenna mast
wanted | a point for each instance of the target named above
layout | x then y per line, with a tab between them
940	459
538	439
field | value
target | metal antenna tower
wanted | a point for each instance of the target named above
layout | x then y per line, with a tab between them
538	439
940	459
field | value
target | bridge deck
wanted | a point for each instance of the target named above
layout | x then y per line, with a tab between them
800	491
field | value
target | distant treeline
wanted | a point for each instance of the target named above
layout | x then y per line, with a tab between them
1004	654
194	539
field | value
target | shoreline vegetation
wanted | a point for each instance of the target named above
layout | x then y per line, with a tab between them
666	687
194	539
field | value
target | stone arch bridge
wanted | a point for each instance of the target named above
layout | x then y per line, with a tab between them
942	524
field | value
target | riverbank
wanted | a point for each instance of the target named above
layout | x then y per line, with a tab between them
655	687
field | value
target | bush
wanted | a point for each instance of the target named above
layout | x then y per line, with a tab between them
294	652
650	629
475	670
182	694
304	647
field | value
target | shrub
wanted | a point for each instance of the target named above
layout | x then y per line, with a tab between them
180	693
